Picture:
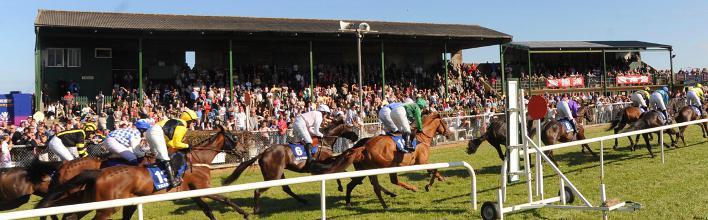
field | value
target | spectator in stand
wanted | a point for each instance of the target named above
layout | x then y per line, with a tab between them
5	148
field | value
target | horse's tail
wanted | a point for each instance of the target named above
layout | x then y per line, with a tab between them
341	162
239	169
86	179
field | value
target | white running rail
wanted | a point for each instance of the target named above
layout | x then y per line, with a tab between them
139	201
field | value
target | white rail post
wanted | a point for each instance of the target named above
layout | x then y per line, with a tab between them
661	142
539	162
140	211
603	195
562	191
514	107
323	199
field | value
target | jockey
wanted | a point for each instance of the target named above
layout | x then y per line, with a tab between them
638	98
405	113
170	133
75	139
385	116
694	95
125	140
568	109
658	100
307	125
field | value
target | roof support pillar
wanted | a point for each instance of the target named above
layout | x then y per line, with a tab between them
383	73
37	74
231	72
140	71
447	96
604	73
501	63
312	78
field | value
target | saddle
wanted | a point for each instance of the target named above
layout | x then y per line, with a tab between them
401	144
159	177
696	109
298	150
567	125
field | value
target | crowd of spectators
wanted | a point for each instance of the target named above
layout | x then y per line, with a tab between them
268	104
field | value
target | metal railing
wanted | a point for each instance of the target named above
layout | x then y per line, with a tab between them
139	201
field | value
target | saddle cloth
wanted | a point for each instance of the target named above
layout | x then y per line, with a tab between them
159	177
401	143
567	125
299	151
697	110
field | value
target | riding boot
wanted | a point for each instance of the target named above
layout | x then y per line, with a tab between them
575	128
409	137
308	153
171	175
666	115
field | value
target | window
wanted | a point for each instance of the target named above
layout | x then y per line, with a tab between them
73	57
104	53
54	57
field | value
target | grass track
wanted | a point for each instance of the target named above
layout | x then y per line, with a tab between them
675	190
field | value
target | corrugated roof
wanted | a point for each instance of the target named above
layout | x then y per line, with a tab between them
163	22
586	44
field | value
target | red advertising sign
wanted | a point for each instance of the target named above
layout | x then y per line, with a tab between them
565	82
633	79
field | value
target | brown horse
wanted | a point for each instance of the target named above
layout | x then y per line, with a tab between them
380	152
132	181
627	116
18	184
651	119
496	136
274	160
687	114
553	132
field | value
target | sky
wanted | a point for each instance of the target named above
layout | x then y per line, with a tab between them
678	23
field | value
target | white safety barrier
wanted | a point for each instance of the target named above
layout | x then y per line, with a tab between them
491	210
139	201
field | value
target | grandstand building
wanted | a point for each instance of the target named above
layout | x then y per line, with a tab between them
99	50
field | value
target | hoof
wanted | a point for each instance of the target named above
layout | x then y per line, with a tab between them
414	189
341	189
427	188
245	216
349	206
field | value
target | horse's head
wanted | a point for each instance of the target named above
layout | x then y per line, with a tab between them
340	129
434	124
584	112
235	145
473	145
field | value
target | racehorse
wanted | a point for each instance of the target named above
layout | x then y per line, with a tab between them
380	151
687	114
18	184
496	136
552	131
274	160
628	115
131	181
651	119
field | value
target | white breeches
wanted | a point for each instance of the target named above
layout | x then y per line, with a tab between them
400	120
64	153
693	99
657	101
156	139
301	131
638	100
117	148
386	121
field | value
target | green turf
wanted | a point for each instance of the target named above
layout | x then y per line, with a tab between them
675	190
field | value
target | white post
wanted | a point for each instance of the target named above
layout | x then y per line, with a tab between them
661	142
524	141
140	211
513	128
539	162
323	200
500	203
562	191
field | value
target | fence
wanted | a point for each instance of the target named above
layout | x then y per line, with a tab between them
462	128
139	201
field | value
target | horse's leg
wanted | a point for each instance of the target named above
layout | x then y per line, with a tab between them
395	181
646	140
499	150
350	186
377	190
634	144
104	214
435	175
257	194
205	207
128	211
581	136
290	192
617	130
549	154
339	186
681	134
227	201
